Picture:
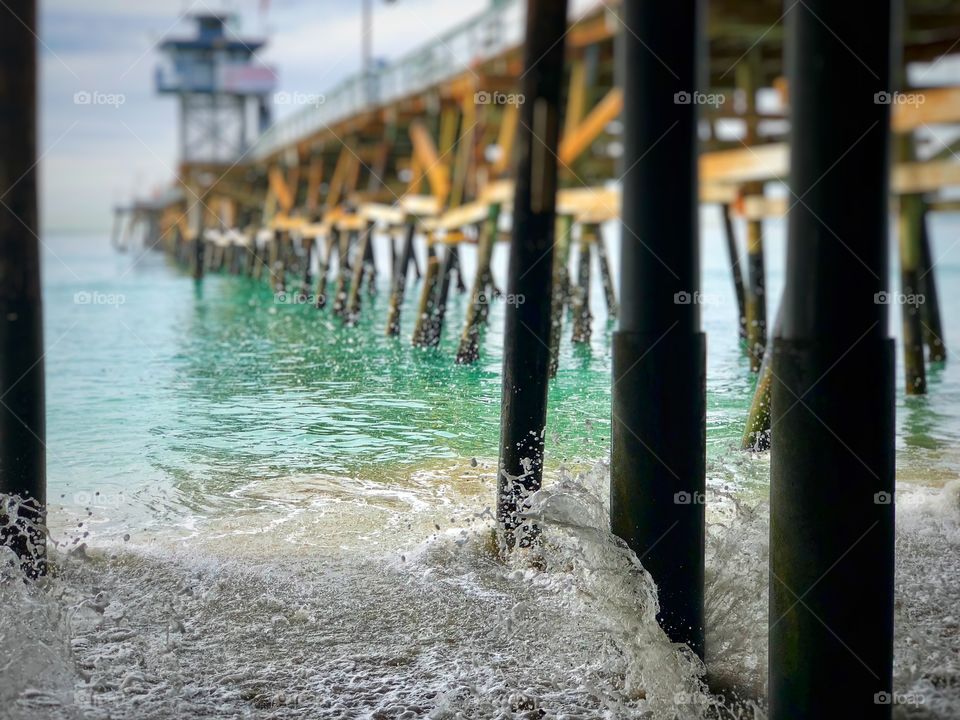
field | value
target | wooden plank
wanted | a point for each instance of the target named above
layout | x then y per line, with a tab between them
420	205
915	108
383	214
499	191
717	193
761	162
603	202
920	177
354	222
759	207
459	217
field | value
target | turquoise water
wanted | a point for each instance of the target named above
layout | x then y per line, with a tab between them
194	388
259	512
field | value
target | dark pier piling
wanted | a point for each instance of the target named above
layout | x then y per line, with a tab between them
659	399
526	346
832	461
22	420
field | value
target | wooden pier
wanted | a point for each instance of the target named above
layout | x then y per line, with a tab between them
444	147
430	164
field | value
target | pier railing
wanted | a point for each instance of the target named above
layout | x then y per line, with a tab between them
480	38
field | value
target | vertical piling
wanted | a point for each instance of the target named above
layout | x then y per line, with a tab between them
369	260
359	268
458	268
273	253
400	279
428	294
434	328
582	317
469	348
832	460
756	434
343	272
734	254
930	309
199	246
606	278
307	283
658	447
561	283
526	343
22	424
911	231
748	78
910	298
323	266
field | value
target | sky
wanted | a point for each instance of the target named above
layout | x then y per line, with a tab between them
97	155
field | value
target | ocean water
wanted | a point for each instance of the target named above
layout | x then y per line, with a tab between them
258	512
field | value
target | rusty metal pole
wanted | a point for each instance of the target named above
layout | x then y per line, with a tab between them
526	344
22	419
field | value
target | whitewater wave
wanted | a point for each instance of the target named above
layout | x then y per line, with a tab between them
414	615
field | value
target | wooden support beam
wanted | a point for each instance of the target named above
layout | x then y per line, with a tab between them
347	240
509	120
756	433
772	162
433	328
911	238
921	177
733	255
469	349
463	164
340	171
359	270
578	139
314	180
582	317
324	262
400	279
429	160
381	159
353	176
526	359
428	295
280	189
293	179
609	293
415	185
760	162
930	309
576	96
561	288
913	109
